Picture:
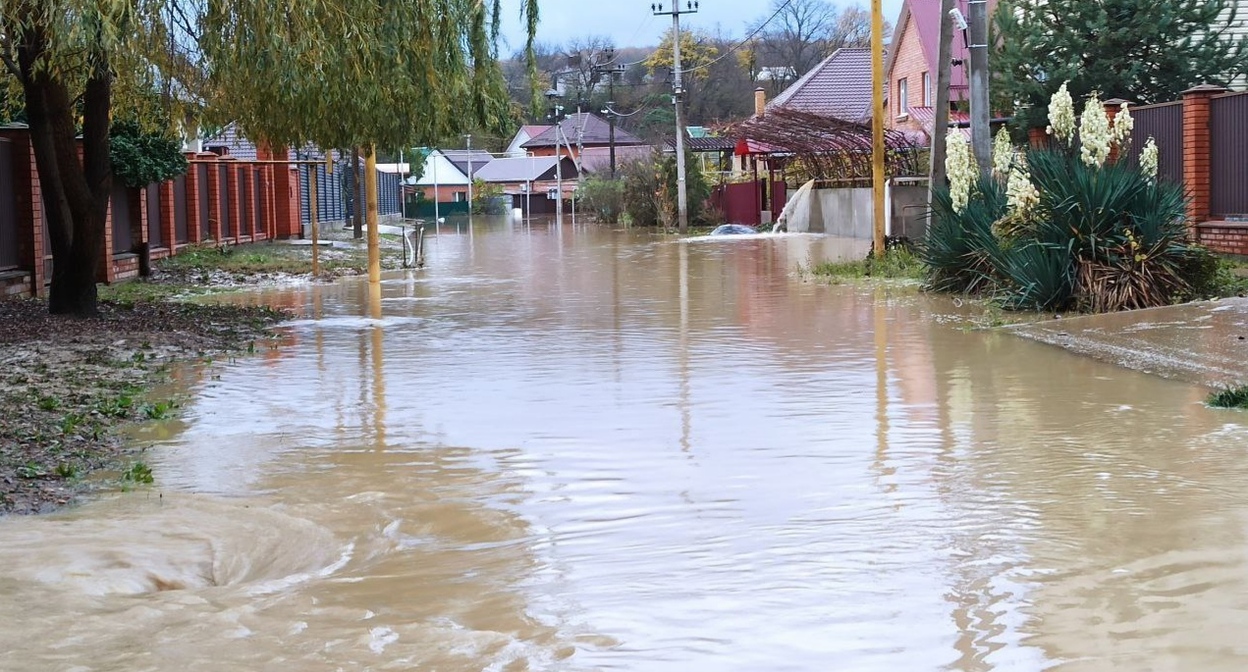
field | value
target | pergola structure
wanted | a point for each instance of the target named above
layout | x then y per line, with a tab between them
826	148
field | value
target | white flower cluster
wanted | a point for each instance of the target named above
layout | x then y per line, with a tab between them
1020	193
961	169
1002	153
1062	115
1123	125
1094	132
1148	159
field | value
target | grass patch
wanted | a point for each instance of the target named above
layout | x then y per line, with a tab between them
140	290
253	258
1229	279
1229	397
897	264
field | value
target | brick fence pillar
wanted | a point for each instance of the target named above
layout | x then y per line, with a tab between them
1197	143
1112	107
168	222
1037	137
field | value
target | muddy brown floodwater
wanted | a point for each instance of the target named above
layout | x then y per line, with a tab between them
566	448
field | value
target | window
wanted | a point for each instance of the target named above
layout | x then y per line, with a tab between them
927	89
461	196
903	103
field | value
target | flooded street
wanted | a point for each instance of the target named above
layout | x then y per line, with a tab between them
566	448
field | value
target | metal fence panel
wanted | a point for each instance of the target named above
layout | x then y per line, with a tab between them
226	201
180	215
8	209
1163	123
1229	156
246	222
205	208
262	221
120	202
155	234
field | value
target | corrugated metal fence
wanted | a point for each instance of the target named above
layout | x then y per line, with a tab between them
1229	156
333	193
1164	123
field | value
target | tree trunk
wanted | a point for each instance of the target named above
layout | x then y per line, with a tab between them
75	192
357	195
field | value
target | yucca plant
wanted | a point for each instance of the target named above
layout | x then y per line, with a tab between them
958	246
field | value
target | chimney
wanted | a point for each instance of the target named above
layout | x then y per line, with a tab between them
760	101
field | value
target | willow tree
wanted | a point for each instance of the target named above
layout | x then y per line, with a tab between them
336	73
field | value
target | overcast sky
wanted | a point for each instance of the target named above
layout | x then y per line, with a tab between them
631	23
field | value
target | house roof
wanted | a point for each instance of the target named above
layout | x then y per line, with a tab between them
583	128
466	160
438	167
523	169
926	116
840	87
598	159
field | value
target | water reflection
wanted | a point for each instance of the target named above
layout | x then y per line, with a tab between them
562	447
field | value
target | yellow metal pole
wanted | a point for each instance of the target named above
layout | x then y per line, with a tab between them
877	124
370	196
316	243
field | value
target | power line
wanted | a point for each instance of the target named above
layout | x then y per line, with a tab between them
743	42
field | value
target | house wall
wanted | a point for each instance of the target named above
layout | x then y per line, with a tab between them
910	64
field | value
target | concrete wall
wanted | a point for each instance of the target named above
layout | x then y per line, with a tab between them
847	212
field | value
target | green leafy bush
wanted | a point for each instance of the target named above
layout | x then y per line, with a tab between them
140	157
603	197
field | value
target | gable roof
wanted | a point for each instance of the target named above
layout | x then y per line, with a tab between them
466	160
840	87
439	167
525	169
585	128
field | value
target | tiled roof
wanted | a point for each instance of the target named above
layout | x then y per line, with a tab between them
926	117
838	87
598	159
586	128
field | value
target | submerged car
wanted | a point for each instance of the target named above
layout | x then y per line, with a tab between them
733	230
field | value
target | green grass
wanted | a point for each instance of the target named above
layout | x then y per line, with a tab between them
1229	397
142	291
255	258
897	264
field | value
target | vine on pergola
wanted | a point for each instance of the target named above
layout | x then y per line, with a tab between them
826	148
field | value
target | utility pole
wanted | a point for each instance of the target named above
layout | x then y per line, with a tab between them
611	71
678	93
370	198
556	114
468	146
981	136
940	128
877	126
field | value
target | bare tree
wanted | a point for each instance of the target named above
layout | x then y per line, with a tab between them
580	56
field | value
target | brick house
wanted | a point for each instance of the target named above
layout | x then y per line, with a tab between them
577	131
910	67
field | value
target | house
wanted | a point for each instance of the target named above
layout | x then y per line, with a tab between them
911	66
578	131
441	180
525	134
532	182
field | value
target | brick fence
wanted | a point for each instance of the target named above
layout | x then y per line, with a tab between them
1203	144
220	200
